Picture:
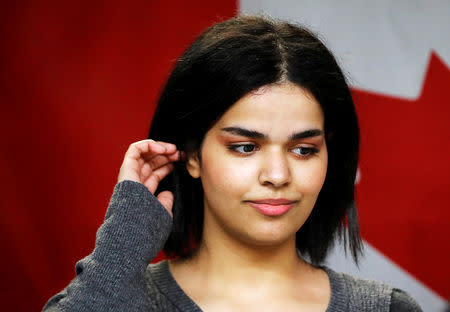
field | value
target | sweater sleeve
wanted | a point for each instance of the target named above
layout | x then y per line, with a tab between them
112	277
402	302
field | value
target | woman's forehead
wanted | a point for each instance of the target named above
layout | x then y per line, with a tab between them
279	107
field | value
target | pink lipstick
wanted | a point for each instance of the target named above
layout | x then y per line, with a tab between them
272	207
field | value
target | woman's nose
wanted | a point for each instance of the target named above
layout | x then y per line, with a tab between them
275	170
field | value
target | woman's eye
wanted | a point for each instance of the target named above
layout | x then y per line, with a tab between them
305	151
243	148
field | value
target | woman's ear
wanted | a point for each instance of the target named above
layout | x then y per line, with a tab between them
193	165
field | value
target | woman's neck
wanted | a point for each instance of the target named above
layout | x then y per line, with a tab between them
229	259
232	272
222	260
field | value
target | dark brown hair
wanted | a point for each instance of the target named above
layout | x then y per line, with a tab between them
229	60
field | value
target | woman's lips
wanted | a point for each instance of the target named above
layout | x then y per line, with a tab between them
272	207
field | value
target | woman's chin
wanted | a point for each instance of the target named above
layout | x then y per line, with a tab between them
269	237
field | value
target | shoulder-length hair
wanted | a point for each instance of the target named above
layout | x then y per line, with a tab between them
229	60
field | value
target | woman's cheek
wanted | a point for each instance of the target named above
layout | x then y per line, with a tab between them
319	176
310	178
215	170
233	175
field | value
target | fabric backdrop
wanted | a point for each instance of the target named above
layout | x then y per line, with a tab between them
79	81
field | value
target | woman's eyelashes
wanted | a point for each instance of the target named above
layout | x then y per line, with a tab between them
243	148
250	148
304	151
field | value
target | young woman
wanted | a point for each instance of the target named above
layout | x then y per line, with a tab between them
253	159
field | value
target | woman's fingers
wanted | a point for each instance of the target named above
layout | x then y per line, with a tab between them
144	148
156	176
147	167
149	149
143	157
160	160
170	148
148	162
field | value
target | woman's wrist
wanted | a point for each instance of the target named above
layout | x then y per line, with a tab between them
136	225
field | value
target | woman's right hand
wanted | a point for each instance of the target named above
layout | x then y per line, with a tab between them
148	162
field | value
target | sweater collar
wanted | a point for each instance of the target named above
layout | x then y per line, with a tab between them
168	286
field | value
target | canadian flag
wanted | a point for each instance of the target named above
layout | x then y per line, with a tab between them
396	55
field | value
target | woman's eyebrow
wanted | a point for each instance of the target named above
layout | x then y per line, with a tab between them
245	132
253	134
305	134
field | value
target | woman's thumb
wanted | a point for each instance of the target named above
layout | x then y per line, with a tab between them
166	199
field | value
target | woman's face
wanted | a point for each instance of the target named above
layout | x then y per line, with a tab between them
263	165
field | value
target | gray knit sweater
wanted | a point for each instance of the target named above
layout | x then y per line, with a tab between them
116	275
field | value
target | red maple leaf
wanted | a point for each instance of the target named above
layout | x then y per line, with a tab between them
403	192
